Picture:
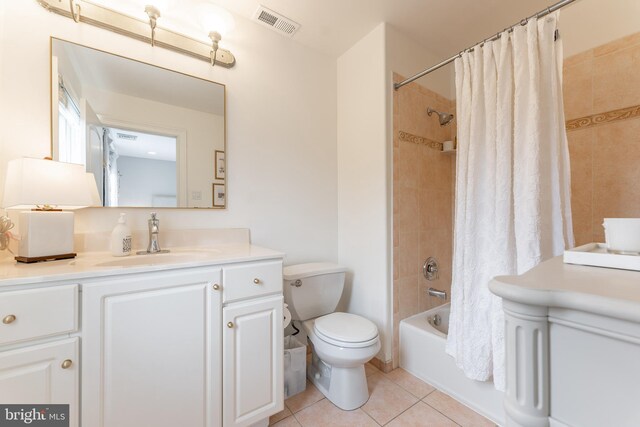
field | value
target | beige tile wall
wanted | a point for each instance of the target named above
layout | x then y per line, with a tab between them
422	202
605	158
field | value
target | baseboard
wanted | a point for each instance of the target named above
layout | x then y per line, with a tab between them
385	367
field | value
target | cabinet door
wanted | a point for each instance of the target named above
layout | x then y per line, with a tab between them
252	361
35	375
151	344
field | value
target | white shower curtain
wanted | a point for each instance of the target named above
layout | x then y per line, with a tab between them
111	178
512	206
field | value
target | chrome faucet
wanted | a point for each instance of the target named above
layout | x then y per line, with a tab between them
154	231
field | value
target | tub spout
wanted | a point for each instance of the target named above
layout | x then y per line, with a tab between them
437	293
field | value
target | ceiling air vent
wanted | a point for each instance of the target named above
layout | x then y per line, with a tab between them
127	136
275	21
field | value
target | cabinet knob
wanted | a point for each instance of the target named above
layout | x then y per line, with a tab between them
256	281
230	325
67	364
216	287
9	319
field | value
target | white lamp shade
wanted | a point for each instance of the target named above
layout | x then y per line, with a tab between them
34	182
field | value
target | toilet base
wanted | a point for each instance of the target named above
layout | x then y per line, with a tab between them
344	387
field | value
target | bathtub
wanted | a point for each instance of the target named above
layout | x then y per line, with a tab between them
422	353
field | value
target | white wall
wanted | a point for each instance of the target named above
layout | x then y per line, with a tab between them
70	77
141	179
281	127
365	113
365	149
407	58
363	214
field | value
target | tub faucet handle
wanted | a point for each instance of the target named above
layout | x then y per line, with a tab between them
430	269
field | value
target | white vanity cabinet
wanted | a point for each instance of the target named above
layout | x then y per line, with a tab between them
41	374
38	358
252	343
184	347
252	374
192	338
150	349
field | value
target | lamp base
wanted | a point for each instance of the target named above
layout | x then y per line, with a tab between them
45	235
30	260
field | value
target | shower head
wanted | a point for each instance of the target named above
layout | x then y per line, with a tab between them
444	118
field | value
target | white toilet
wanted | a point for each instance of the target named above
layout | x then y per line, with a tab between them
342	342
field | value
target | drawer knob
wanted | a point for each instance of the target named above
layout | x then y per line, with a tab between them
256	281
67	364
230	325
216	287
9	319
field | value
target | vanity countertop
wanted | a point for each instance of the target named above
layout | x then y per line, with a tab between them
606	291
102	264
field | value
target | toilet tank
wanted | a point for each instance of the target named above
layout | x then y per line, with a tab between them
313	290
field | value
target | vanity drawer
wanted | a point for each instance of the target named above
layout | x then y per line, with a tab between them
251	280
38	313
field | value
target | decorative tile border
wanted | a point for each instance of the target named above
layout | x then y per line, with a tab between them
603	118
407	137
573	124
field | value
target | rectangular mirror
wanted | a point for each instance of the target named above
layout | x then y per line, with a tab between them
152	137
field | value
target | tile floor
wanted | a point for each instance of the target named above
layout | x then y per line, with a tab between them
397	399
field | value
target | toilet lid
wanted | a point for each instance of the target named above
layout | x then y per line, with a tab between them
346	327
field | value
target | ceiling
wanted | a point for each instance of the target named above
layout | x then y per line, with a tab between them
121	75
442	27
333	26
145	145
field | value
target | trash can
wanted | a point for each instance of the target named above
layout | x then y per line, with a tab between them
295	366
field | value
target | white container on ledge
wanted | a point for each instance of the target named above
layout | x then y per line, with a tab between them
622	235
448	147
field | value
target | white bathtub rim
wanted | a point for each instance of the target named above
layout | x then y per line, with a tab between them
423	319
419	324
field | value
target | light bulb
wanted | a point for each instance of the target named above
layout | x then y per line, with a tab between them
214	18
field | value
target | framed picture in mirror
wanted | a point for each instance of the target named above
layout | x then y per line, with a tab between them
220	165
219	197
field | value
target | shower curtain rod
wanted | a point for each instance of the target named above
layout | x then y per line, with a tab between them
538	15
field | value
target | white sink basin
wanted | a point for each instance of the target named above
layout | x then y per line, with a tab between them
156	259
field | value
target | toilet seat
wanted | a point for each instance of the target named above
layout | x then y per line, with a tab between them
346	330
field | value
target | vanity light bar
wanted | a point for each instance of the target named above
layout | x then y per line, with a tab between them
111	20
